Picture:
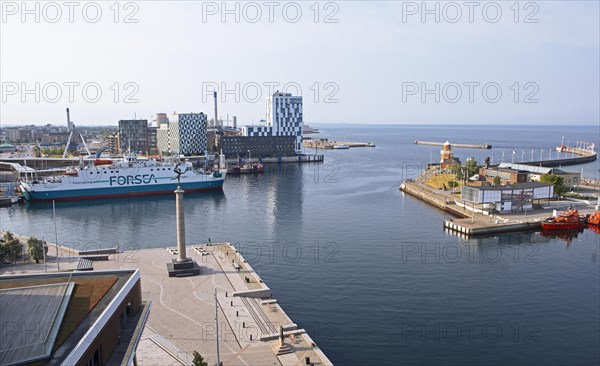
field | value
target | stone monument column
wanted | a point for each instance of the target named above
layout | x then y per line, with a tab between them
181	257
182	266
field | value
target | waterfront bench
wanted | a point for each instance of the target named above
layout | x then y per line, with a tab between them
96	257
236	265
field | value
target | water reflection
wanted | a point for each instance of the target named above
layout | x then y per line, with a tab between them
564	235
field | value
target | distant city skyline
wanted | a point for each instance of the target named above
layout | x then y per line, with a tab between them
353	62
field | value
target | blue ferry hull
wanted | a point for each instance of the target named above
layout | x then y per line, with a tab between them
126	191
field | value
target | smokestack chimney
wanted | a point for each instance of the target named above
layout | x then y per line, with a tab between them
216	119
69	124
234	122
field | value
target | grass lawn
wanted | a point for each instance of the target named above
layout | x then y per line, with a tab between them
438	181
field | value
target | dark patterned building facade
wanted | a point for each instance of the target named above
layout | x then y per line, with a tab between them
184	134
259	146
133	134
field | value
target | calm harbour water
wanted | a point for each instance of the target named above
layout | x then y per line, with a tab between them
370	272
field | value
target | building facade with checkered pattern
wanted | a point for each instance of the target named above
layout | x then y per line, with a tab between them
184	134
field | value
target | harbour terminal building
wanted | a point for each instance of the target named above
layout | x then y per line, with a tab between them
507	198
76	318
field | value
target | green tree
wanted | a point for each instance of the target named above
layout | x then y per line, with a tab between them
452	183
52	152
199	360
11	247
497	180
456	169
36	248
560	187
471	167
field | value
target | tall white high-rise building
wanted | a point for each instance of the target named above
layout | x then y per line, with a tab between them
284	118
284	115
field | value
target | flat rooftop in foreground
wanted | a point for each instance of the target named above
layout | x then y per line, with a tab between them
47	317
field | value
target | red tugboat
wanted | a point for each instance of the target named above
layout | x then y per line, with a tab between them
566	220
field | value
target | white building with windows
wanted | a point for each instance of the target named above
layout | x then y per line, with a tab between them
284	118
183	134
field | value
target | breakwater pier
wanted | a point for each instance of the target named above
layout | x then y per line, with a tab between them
463	146
578	156
332	144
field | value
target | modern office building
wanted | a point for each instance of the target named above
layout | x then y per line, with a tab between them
152	140
508	198
71	318
184	134
161	118
284	118
133	134
258	146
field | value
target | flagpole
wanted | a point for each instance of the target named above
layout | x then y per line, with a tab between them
217	327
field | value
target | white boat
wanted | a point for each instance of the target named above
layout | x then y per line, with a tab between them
341	147
124	177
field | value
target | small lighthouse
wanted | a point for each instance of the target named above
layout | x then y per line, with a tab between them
446	156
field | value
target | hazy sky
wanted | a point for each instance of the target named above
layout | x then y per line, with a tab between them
353	61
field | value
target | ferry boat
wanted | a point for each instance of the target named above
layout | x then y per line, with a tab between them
568	219
124	177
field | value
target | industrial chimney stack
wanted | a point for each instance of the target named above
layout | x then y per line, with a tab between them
70	126
216	118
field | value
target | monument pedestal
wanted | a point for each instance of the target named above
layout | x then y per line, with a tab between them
184	268
280	347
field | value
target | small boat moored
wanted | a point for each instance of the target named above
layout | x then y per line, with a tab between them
594	218
566	220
